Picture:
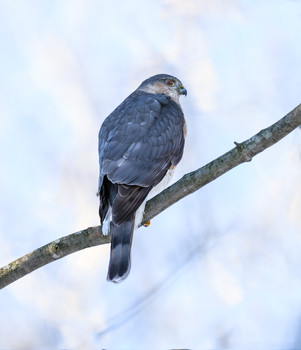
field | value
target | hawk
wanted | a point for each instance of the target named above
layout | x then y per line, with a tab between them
139	144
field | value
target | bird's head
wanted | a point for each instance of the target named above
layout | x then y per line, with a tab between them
164	84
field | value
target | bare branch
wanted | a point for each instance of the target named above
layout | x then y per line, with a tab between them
50	252
243	152
92	236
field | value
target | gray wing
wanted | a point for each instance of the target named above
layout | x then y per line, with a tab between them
138	143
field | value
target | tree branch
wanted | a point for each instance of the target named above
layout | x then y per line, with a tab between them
92	236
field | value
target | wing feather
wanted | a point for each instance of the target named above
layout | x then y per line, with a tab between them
138	143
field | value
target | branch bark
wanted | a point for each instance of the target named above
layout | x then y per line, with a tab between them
189	183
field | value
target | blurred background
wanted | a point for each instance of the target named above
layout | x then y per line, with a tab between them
219	269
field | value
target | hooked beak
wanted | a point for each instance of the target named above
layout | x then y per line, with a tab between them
182	91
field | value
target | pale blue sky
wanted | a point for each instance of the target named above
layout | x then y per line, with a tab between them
64	66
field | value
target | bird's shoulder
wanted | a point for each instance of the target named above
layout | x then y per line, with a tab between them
139	109
140	102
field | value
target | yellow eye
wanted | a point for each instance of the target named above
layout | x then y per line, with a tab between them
169	82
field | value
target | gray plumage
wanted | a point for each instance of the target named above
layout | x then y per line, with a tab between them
138	143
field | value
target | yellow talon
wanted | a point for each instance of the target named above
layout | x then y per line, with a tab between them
146	224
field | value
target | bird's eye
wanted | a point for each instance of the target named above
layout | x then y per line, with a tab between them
169	82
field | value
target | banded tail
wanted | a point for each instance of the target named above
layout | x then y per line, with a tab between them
121	242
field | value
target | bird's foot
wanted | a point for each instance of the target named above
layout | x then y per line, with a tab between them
146	224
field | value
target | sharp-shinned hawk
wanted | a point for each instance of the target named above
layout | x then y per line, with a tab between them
140	143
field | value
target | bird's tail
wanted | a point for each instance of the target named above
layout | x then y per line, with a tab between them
121	242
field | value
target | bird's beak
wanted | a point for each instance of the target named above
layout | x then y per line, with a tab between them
182	91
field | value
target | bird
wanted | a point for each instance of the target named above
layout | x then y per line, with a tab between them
139	145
